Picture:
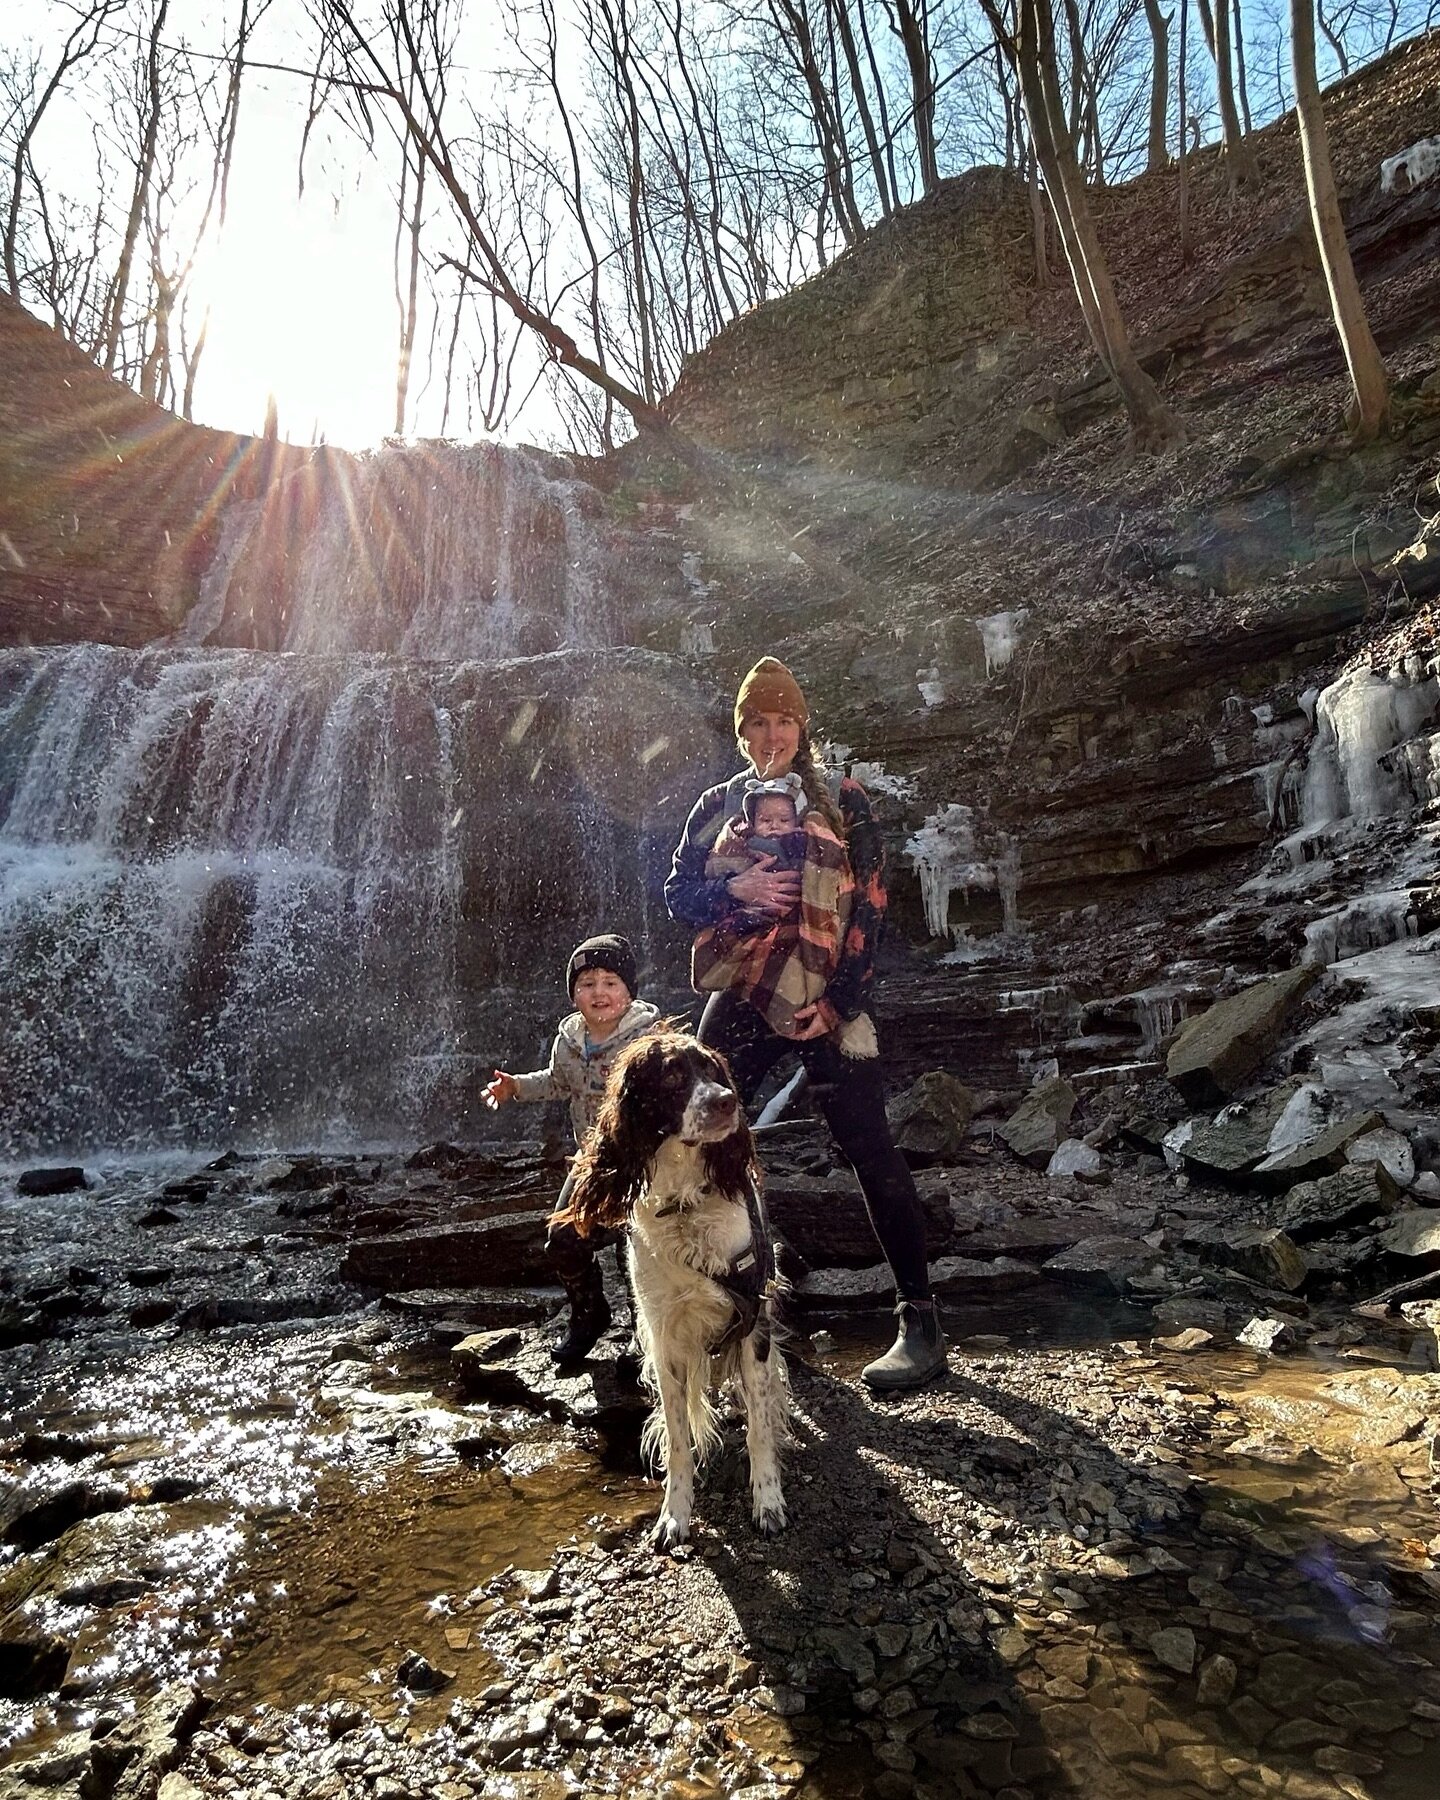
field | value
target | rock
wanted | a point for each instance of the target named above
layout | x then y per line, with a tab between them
420	1675
1174	1647
158	1215
826	1291
1413	1234
825	1220
1074	1157
129	1760
1033	1131
1267	1335
498	1252
32	1662
1236	1139
1106	1263
1320	1155
1186	1342
476	1309
31	1521
1216	1682
1316	1208
931	1118
1042	1234
50	1181
1215	1051
222	1310
1261	1253
1387	1148
514	1369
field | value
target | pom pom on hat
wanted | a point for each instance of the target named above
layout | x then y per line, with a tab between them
769	687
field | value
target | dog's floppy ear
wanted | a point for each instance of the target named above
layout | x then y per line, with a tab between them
612	1161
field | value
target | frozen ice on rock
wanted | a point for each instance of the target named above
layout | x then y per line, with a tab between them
875	778
1391	1149
931	686
1173	1143
1074	1157
1368	923
1306	1112
943	855
1357	720
1406	170
1000	633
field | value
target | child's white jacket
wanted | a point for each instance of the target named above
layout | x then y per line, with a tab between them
578	1069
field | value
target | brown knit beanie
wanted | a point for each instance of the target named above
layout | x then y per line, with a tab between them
770	687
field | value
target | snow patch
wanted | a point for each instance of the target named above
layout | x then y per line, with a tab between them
875	778
1398	174
1000	634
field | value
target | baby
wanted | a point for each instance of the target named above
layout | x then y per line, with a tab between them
770	825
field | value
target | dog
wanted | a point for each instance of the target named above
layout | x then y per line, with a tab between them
671	1157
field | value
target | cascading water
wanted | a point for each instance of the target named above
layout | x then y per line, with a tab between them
258	896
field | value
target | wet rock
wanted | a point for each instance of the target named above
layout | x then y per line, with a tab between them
1074	1157
600	1393
826	1291
21	1323
1320	1155
149	1274
220	1311
32	1662
1214	1052
31	1521
158	1215
47	1446
1315	1208
1261	1253
931	1118
1044	1234
149	1313
420	1675
481	1253
50	1181
476	1309
130	1759
1186	1342
1109	1264
1034	1130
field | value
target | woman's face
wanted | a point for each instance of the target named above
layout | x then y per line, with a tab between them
771	740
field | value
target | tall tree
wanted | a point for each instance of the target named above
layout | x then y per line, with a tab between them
1157	149
1368	379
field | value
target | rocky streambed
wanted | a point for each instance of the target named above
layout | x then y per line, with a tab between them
295	1504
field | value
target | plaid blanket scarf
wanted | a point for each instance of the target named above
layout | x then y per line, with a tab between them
781	967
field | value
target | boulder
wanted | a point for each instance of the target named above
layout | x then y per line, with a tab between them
50	1181
476	1309
1413	1234
931	1118
1215	1051
826	1291
825	1220
1042	1234
1258	1252
1267	1335
501	1252
513	1368
1035	1129
1313	1209
1237	1138
1320	1155
1389	1149
1108	1264
1074	1157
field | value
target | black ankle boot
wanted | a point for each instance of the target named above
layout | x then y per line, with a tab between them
589	1318
916	1356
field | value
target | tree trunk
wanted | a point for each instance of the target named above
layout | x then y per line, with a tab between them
1152	424
1239	156
1182	198
910	28
1157	149
144	167
1362	356
841	13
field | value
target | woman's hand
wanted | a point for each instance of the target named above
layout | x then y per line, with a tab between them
765	889
499	1089
812	1022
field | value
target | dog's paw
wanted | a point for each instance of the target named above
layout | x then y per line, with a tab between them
769	1516
670	1530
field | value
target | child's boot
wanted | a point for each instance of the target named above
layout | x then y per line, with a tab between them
589	1315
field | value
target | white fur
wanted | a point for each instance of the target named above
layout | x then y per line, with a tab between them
681	1314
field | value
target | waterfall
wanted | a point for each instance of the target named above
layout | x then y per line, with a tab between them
308	893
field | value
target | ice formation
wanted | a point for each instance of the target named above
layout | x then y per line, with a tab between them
1306	1114
942	853
931	686
1359	719
875	778
1074	1157
1368	923
999	634
1398	174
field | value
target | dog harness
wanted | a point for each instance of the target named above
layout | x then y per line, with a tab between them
749	1278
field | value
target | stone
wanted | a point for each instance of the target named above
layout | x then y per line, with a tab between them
1390	1149
930	1119
1033	1131
827	1291
1074	1157
1261	1253
1320	1155
824	1218
1185	1343
1314	1209
1108	1264
1216	1683
1413	1234
32	1661
1267	1335
1236	1139
1215	1051
1174	1648
497	1252
37	1182
514	1368
420	1675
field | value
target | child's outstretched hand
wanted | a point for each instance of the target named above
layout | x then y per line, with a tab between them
499	1089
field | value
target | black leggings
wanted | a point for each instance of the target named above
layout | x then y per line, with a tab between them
850	1093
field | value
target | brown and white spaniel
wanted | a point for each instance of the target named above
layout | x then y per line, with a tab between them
672	1159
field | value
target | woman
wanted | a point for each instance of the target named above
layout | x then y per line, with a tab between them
771	728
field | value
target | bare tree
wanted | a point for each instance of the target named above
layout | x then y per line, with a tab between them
1157	149
1368	379
149	134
